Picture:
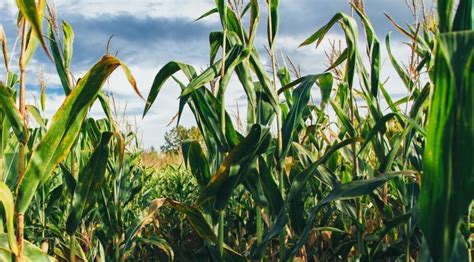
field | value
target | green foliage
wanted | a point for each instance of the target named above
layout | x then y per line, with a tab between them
176	136
355	176
358	173
448	181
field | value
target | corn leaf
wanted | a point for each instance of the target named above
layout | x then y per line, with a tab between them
196	161
34	13
244	151
273	21
6	198
64	129
162	76
301	96
346	191
448	179
3	42
89	181
9	108
30	251
68	33
350	29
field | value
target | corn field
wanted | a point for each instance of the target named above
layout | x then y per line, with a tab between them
355	176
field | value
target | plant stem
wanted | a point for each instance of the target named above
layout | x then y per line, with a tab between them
19	236
21	152
355	168
220	243
221	94
72	249
259	224
21	107
279	168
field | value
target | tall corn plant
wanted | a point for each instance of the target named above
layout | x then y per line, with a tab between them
44	151
448	179
296	168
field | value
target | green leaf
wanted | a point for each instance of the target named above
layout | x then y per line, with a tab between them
445	15
343	118
9	108
193	215
33	110
349	190
30	251
374	51
68	44
273	21
464	19
349	26
196	160
64	129
6	198
34	13
399	69
297	185
300	180
206	14
241	153
379	127
222	10
301	97
233	58
32	44
447	187
89	182
59	60
162	76
269	186
254	19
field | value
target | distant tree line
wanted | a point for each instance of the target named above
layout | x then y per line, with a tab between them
175	137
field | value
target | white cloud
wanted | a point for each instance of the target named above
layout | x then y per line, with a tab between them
140	8
10	8
154	125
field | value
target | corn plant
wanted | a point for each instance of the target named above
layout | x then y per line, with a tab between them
356	175
67	144
357	181
447	186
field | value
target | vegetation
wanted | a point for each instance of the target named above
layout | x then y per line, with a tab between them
176	136
340	179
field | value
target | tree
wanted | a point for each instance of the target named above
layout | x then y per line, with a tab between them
177	135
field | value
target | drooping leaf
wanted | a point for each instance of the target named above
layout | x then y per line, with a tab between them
9	108
63	131
161	77
350	29
244	151
34	13
193	215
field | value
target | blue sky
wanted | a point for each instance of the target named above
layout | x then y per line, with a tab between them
149	33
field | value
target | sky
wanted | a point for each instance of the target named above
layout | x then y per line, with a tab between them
149	33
